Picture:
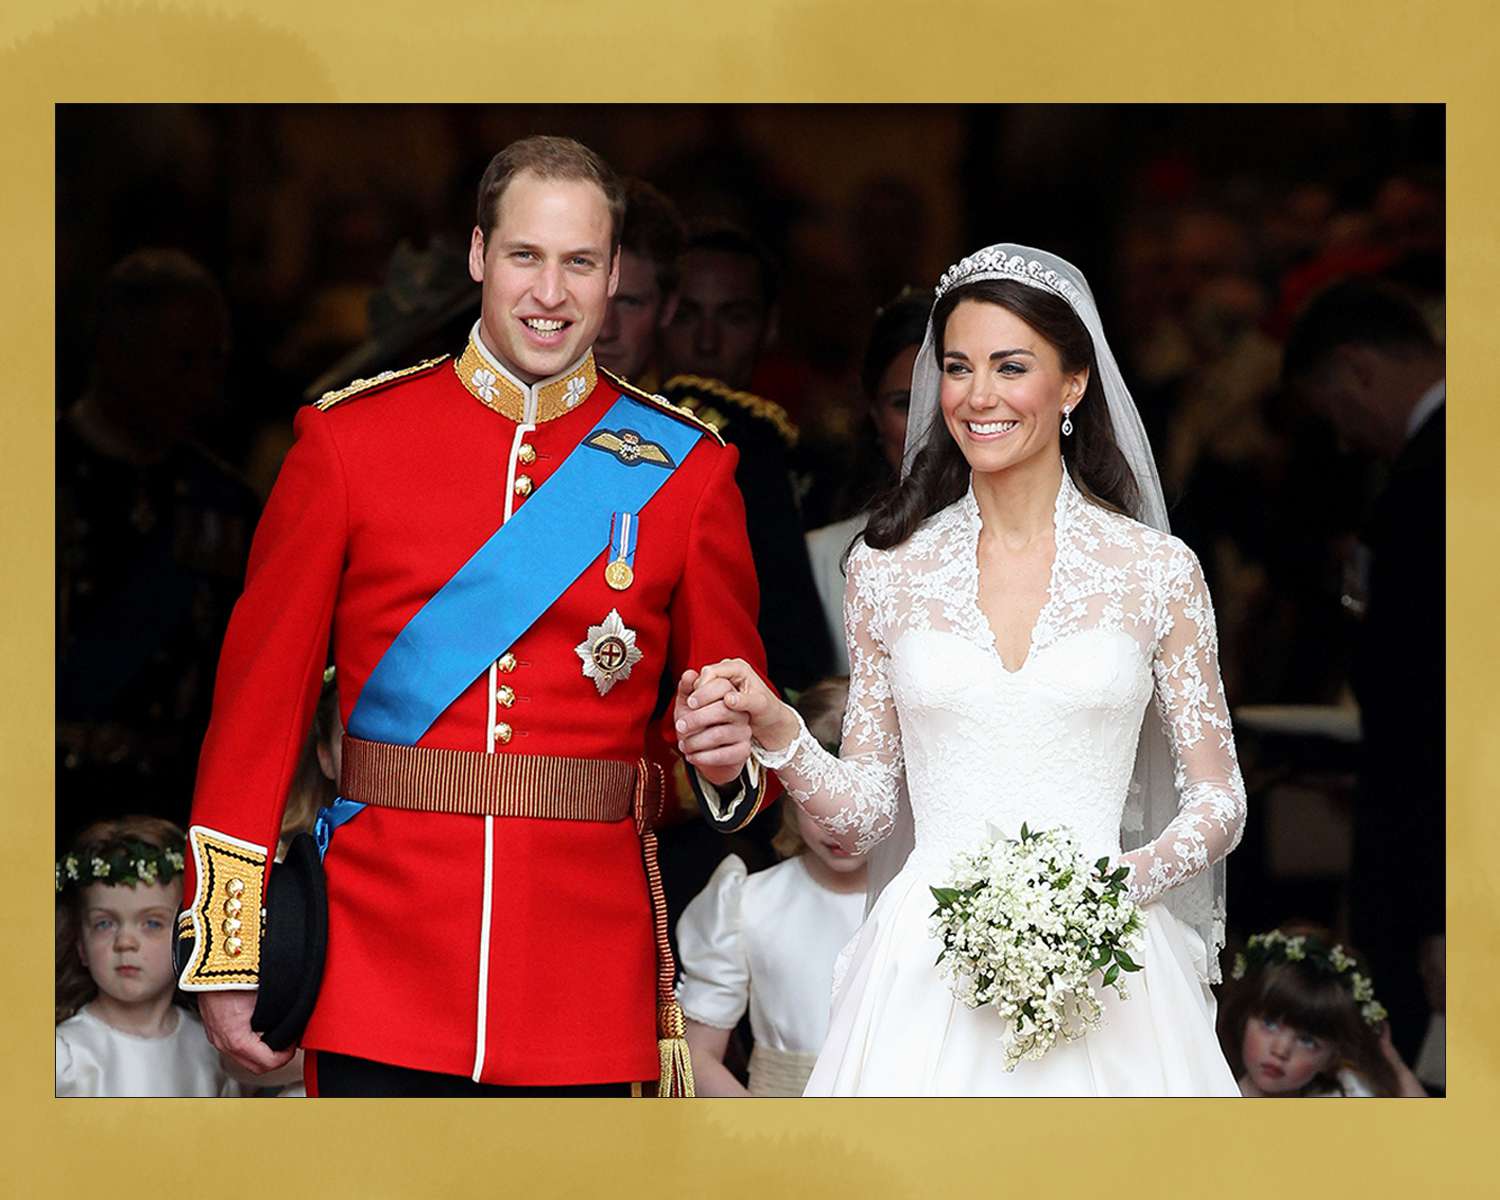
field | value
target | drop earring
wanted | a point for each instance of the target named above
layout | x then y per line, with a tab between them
1067	425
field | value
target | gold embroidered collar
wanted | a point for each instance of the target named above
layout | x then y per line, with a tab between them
489	382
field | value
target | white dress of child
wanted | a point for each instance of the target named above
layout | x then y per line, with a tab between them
1051	743
96	1059
767	941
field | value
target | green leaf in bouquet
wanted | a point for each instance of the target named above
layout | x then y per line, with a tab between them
1112	974
1119	875
1065	878
946	897
1102	866
1125	961
1025	833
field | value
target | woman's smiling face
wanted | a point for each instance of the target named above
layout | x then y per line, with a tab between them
1003	387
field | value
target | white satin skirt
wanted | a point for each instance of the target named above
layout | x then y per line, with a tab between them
896	1029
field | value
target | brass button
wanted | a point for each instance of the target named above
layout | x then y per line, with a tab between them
232	907
231	925
506	696
506	662
527	453
523	485
503	733
233	946
235	886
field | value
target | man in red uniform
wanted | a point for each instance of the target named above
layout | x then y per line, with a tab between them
512	551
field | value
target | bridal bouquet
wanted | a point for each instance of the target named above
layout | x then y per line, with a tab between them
1024	925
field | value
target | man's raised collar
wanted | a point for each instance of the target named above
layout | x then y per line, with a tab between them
490	382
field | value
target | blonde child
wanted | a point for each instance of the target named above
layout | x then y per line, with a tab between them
1303	1021
768	941
118	1031
315	781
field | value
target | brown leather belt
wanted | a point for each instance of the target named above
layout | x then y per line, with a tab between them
490	785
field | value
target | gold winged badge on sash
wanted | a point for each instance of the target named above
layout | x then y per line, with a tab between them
630	448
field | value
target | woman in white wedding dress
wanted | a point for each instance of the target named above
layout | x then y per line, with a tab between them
1008	625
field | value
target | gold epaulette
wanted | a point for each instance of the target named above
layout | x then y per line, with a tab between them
685	415
360	387
767	410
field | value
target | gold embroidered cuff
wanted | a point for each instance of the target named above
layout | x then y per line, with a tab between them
226	913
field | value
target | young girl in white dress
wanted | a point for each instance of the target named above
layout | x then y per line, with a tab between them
1012	611
1302	1021
768	942
119	1032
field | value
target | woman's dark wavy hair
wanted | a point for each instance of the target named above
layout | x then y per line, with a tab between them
940	473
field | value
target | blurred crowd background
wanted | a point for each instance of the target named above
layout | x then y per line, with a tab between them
329	242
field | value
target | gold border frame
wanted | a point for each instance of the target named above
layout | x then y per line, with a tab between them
823	50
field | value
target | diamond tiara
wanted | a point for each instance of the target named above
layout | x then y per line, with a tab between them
991	263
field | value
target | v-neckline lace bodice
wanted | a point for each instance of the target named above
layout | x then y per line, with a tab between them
934	714
1062	512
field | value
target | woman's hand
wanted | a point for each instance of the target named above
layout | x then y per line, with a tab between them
732	687
715	740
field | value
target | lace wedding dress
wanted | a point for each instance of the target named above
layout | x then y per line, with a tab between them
1050	743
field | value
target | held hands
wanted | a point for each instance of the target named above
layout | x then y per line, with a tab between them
226	1020
717	712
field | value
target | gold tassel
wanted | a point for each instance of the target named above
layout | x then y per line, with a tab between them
676	1079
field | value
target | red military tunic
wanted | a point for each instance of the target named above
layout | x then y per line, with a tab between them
513	950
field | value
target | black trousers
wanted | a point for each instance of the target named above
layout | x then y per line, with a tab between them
343	1075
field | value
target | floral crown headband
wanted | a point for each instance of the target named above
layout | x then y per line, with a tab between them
994	263
124	860
1263	950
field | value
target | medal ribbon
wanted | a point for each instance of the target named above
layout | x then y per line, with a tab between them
622	534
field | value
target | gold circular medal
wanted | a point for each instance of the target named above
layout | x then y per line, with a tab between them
619	575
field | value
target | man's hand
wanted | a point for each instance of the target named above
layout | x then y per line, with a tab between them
226	1020
713	738
733	685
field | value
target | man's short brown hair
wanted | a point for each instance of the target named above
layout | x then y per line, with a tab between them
549	158
655	231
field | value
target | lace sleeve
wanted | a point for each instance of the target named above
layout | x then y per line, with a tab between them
1190	698
854	795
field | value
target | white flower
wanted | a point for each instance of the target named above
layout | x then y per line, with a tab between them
1295	951
100	868
70	864
1022	932
1340	959
1373	1012
1240	966
173	857
1363	990
484	382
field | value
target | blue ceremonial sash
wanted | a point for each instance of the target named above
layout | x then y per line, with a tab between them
511	580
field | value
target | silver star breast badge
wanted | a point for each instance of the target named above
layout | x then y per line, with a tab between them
608	652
